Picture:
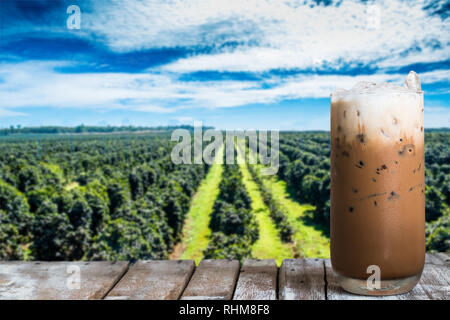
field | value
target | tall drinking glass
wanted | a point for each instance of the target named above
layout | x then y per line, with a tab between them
377	187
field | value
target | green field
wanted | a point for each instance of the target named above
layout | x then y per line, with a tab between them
196	229
269	244
309	242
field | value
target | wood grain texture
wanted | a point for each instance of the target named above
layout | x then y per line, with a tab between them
435	281
213	280
445	256
54	280
302	279
440	258
154	280
257	280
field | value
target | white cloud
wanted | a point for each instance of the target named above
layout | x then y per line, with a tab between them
36	83
4	113
32	84
274	34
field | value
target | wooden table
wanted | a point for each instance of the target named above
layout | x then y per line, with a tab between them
296	279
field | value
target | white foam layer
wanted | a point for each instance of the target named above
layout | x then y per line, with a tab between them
411	86
379	112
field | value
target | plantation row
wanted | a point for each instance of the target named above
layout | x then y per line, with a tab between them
234	228
93	199
276	211
295	222
305	166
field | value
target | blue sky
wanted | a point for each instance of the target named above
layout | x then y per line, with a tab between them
231	64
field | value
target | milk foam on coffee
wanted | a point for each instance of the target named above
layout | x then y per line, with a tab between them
377	179
383	112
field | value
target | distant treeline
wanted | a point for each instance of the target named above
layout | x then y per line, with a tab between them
87	129
437	130
111	129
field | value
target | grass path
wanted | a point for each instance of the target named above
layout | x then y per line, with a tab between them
309	241
269	244
196	229
71	186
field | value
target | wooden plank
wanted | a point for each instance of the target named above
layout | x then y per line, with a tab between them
213	280
435	281
154	280
257	280
58	280
445	256
439	258
302	279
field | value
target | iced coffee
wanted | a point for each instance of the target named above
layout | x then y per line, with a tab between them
378	187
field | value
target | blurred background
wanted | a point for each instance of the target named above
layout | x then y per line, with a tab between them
91	90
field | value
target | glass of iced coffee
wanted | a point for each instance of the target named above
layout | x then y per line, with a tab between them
377	187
